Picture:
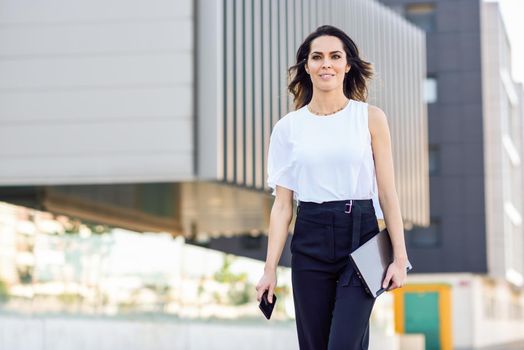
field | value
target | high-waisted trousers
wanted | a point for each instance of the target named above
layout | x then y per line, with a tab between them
332	308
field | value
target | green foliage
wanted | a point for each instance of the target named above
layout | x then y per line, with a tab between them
217	298
224	275
240	289
25	274
98	228
4	292
127	306
240	293
73	227
70	298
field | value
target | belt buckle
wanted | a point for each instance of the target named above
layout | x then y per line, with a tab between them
348	207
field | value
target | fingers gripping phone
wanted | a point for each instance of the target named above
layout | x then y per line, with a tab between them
266	306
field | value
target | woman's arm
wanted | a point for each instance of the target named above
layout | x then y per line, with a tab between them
280	218
387	194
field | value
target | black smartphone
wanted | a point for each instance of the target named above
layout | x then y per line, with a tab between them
266	306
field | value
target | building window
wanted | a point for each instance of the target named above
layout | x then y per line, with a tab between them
434	159
426	237
490	306
430	89
422	15
515	310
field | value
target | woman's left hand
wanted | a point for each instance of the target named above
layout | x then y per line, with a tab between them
396	274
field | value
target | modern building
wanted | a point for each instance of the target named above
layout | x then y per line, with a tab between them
475	243
158	117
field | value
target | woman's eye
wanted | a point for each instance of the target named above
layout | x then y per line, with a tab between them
317	57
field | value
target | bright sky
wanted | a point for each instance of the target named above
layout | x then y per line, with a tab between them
513	14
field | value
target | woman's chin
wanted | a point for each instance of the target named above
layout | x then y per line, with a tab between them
326	87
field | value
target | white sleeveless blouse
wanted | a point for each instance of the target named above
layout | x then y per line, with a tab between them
324	158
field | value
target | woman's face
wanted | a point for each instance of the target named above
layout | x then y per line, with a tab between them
327	63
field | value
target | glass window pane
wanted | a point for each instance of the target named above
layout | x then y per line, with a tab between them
434	159
422	15
426	237
430	90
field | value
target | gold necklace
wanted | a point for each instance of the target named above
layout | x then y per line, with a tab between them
324	114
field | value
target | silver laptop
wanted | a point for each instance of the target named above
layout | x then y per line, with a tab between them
371	261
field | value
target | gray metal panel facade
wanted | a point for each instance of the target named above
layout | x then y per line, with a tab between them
96	92
455	131
260	39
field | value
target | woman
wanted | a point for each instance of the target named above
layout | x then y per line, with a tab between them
331	154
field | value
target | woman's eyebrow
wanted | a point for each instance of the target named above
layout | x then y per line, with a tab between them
321	52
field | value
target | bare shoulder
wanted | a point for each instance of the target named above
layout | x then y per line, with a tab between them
375	114
377	120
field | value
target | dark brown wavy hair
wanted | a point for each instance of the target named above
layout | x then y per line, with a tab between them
355	81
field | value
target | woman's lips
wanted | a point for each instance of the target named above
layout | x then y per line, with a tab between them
326	76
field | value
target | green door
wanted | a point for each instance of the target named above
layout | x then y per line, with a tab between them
421	314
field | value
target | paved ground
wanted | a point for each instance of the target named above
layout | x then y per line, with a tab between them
513	346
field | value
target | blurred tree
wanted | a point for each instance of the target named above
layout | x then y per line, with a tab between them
25	274
239	288
4	292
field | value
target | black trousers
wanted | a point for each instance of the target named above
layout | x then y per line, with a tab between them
332	309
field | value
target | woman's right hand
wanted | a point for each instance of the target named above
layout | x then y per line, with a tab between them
268	281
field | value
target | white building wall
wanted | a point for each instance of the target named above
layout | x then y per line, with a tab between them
502	152
97	91
8	245
498	313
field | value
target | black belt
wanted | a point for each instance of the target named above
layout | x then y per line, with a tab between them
349	206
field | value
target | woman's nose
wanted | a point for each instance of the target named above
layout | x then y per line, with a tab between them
326	63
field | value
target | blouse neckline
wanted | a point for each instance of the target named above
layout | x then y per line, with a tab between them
329	116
